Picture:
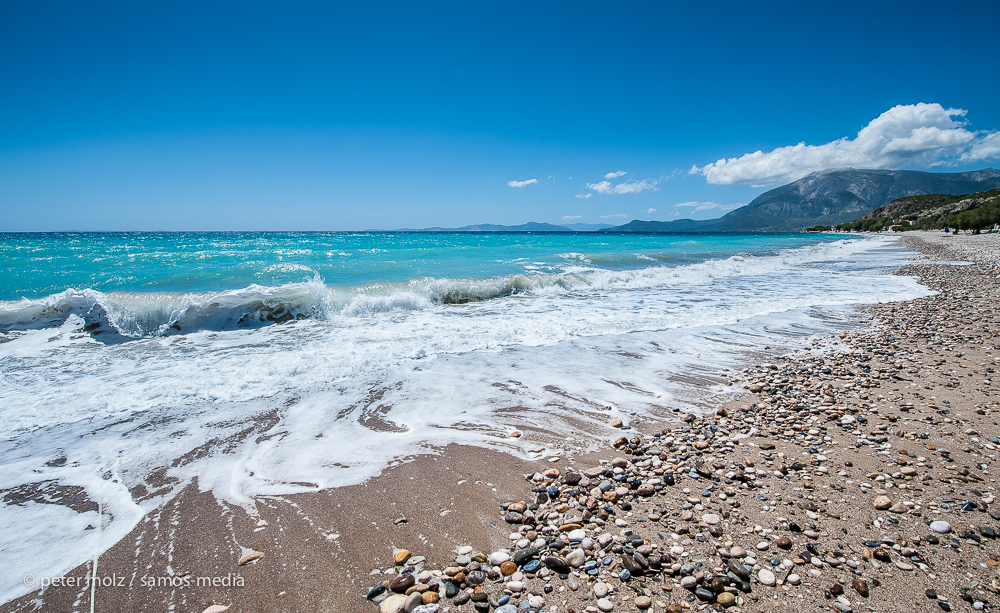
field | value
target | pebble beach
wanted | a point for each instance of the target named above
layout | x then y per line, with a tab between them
854	476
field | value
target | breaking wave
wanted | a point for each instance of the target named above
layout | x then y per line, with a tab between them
133	315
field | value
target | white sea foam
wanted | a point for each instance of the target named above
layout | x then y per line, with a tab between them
360	376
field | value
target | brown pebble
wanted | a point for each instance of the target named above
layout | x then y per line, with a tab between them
508	568
401	556
861	587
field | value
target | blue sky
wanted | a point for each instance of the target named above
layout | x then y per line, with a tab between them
330	116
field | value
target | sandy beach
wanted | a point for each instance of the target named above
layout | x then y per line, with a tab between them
856	476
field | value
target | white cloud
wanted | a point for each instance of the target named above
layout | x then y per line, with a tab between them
615	215
583	196
572	217
707	206
908	135
650	210
615	175
521	183
985	148
633	187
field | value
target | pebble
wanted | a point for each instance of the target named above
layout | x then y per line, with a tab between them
710	518
402	583
793	579
726	599
576	558
401	556
882	502
766	577
940	526
498	557
413	600
643	602
605	605
393	604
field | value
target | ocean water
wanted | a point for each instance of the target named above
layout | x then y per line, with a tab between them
257	364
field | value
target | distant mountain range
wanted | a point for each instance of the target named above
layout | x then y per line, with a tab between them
826	198
823	198
531	226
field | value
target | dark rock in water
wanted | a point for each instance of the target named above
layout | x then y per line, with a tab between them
375	591
861	587
402	583
738	569
532	566
523	555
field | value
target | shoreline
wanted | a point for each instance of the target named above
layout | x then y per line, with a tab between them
321	548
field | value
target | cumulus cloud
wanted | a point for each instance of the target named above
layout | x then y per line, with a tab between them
906	136
615	175
707	206
572	217
583	196
615	215
650	210
629	187
521	183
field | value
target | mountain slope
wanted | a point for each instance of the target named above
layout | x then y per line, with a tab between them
932	211
827	198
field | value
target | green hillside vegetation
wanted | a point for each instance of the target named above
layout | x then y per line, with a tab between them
970	213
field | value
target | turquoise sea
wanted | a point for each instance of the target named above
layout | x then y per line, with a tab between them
273	363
